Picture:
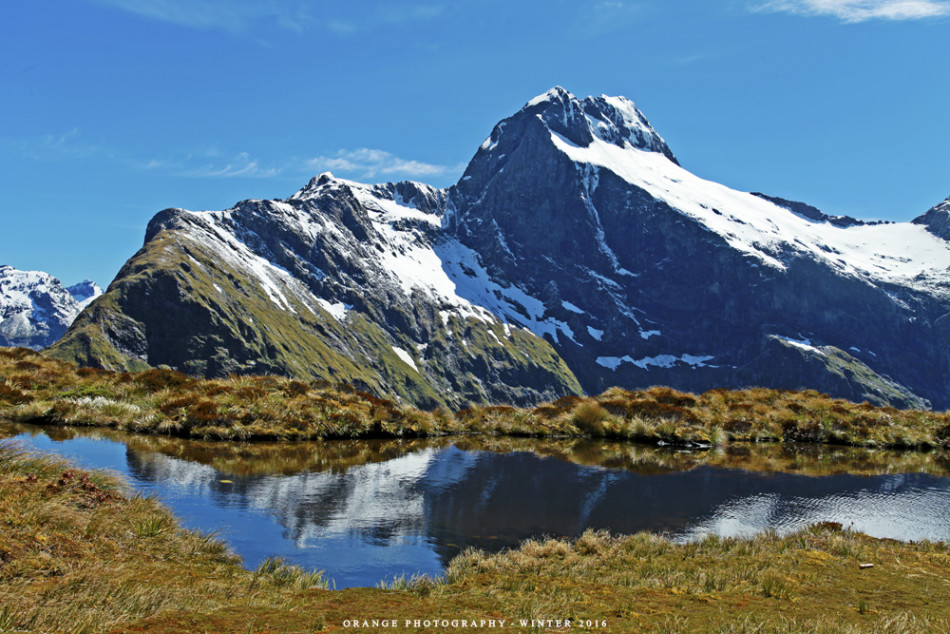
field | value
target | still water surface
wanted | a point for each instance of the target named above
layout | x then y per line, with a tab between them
366	511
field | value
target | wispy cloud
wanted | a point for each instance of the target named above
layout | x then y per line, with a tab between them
369	163
212	162
239	165
228	15
364	163
59	145
860	10
385	15
598	18
238	16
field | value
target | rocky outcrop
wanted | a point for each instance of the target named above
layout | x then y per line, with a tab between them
937	220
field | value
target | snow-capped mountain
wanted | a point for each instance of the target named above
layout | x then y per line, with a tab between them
575	253
84	292
35	308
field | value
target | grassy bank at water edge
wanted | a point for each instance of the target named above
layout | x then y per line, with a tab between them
39	390
79	554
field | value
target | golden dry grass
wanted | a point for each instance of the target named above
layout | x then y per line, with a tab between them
36	389
79	554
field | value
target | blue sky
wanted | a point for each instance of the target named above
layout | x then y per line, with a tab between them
112	110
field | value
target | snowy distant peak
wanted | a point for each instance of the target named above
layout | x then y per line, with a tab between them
937	220
84	292
35	308
616	120
20	284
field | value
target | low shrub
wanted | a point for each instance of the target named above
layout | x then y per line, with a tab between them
158	379
589	417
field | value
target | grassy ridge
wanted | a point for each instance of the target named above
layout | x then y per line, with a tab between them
80	555
36	389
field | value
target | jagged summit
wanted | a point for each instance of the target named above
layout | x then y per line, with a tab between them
84	289
84	292
322	181
616	120
405	193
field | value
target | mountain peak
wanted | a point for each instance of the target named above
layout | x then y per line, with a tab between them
937	219
614	120
617	120
323	181
84	292
558	94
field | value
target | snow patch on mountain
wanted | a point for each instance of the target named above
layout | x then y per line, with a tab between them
337	309
659	361
406	357
899	253
410	250
214	231
801	344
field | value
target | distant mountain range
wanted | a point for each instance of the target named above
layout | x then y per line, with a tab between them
574	254
36	309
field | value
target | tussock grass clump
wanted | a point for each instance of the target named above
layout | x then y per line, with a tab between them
662	415
165	401
279	573
589	417
769	583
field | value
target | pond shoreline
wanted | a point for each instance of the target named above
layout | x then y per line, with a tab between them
79	553
77	550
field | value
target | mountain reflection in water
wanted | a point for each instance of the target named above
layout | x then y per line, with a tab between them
370	510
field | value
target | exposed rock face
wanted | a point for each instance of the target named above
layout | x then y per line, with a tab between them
813	213
35	308
937	220
574	254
